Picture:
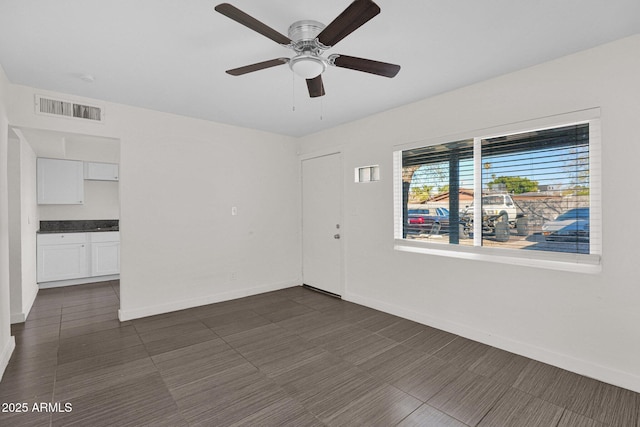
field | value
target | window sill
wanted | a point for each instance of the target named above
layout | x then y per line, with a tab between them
577	263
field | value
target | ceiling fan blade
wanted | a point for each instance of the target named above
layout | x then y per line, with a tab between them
257	66
353	17
315	86
366	65
250	22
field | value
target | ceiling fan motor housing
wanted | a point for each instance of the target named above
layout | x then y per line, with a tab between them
304	33
308	63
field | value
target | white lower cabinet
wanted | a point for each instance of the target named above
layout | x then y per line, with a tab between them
65	256
105	253
62	256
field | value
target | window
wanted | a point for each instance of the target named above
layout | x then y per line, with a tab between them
367	174
537	192
435	180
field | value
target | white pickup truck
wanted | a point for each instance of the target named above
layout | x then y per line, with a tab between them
497	209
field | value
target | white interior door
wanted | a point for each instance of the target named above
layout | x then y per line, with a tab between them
321	222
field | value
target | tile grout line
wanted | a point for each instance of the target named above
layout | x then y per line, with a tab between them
564	411
494	403
55	377
55	372
160	374
265	376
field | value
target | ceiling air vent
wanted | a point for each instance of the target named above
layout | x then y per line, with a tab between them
58	107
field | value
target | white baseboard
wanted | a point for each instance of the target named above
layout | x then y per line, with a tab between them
137	313
7	351
83	281
26	308
579	366
18	318
32	298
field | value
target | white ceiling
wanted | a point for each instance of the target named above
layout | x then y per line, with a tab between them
171	55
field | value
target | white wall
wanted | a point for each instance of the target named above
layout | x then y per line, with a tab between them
179	178
15	228
23	224
101	201
587	323
7	342
29	224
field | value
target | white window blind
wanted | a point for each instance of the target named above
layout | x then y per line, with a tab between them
437	182
537	191
545	177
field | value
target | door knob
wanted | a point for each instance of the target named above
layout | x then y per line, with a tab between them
336	236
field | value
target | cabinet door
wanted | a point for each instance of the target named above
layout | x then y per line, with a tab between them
105	258
101	171
60	182
62	262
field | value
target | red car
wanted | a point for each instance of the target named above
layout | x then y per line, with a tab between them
422	220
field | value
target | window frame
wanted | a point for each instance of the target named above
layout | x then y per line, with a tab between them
575	262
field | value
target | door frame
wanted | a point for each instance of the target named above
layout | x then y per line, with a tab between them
310	156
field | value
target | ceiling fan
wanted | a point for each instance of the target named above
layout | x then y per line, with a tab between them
309	39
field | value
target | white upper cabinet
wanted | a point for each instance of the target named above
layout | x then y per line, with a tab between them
60	182
100	171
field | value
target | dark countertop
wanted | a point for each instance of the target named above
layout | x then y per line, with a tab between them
92	230
79	226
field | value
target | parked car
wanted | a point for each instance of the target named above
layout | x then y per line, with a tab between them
499	215
572	225
494	205
422	220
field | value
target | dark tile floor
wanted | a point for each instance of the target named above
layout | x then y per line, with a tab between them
291	357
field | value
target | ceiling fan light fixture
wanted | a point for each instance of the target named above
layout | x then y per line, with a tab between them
307	66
